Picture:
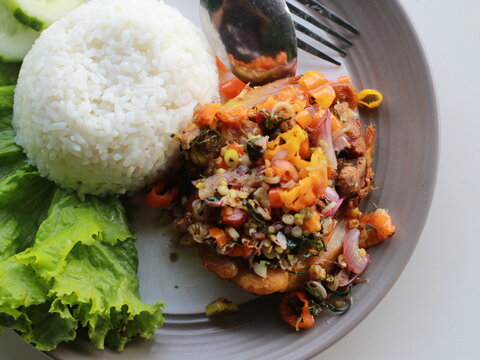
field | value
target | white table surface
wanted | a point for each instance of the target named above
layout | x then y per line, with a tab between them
432	312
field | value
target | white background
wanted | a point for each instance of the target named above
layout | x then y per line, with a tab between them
433	311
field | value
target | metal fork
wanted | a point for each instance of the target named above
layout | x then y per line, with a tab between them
321	9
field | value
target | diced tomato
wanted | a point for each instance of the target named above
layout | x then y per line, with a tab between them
233	216
231	88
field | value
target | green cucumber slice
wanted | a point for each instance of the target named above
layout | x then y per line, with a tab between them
15	39
39	14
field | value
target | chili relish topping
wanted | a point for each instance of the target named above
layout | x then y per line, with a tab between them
278	174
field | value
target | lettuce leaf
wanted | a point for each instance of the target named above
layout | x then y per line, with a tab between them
24	195
80	272
6	99
65	263
9	73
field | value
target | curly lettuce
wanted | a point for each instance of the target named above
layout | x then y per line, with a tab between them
9	73
65	263
24	195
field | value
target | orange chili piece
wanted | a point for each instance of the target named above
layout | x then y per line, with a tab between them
304	150
313	224
161	195
381	221
303	118
234	116
206	115
295	312
317	85
219	235
274	197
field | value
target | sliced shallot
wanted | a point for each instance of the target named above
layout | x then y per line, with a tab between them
260	269
357	259
332	208
340	143
322	136
331	194
280	155
312	110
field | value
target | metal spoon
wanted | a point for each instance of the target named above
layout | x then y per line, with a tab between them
255	39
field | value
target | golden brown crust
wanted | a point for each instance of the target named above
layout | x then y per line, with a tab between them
223	266
277	280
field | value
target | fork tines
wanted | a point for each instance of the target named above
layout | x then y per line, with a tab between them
317	37
324	11
329	14
310	49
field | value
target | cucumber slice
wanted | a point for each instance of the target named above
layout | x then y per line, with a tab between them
15	39
39	14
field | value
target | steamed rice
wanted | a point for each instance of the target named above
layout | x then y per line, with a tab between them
103	89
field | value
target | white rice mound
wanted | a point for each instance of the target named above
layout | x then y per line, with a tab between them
103	89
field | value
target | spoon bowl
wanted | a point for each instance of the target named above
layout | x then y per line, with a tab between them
255	39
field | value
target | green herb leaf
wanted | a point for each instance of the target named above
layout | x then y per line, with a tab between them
257	217
314	308
207	136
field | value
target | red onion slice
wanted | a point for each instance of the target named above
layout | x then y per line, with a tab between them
340	143
331	194
339	132
322	136
312	110
289	172
352	253
316	134
332	208
281	155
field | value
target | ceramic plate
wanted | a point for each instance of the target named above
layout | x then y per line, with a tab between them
388	57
